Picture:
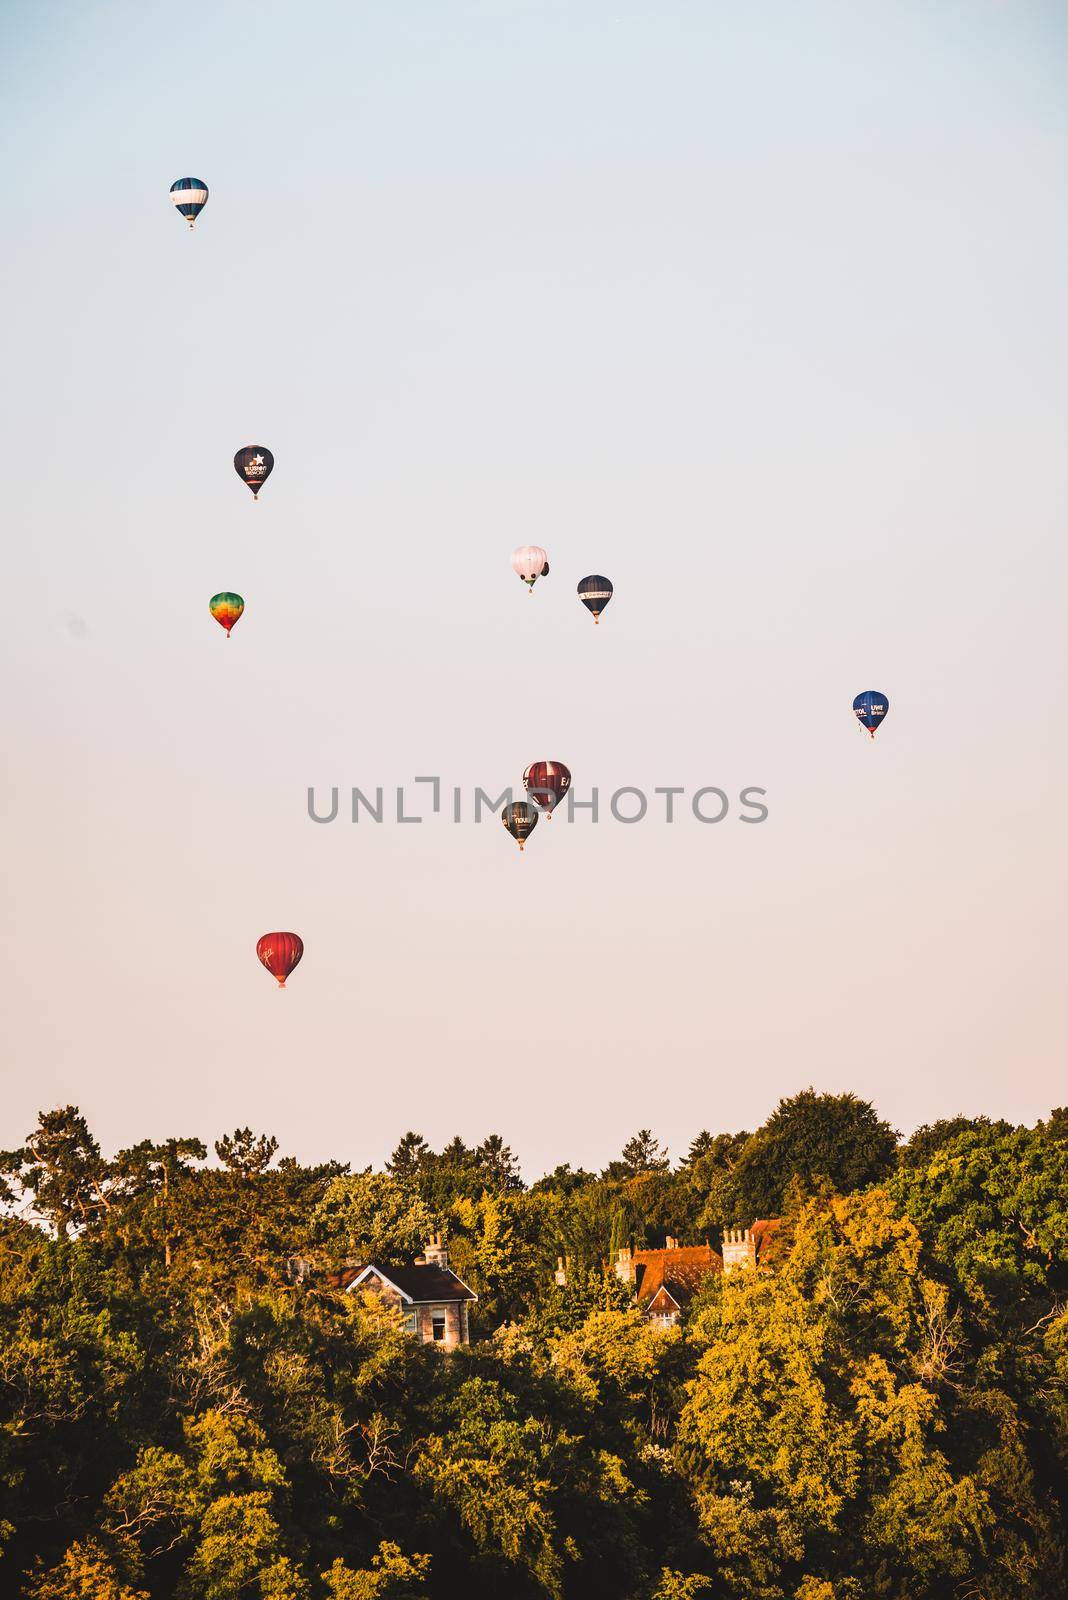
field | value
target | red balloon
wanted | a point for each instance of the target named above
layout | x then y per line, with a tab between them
280	953
546	782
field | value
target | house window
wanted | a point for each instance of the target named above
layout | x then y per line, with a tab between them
437	1322
411	1322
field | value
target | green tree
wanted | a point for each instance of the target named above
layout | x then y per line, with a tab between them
585	1291
240	1224
245	1152
219	1498
876	1413
682	1586
496	1469
371	1216
59	1172
705	1182
700	1146
458	1172
808	1137
564	1180
994	1201
840	1426
87	1571
392	1575
640	1154
498	1166
408	1157
934	1136
147	1178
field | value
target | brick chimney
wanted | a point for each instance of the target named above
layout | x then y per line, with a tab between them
435	1253
670	1243
561	1272
739	1248
624	1266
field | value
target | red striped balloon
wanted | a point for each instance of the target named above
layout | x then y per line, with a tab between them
280	953
546	782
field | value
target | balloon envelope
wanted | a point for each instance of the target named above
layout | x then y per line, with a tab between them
595	593
226	608
546	782
530	562
254	465
870	708
190	195
520	819
280	953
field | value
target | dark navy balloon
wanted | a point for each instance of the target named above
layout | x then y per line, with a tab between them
871	707
190	195
595	593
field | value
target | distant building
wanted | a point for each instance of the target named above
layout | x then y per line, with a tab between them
433	1301
744	1247
665	1281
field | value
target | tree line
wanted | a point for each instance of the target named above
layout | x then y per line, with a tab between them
880	1411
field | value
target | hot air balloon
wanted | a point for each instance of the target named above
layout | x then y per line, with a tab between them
254	465
531	563
226	608
520	819
190	195
871	707
280	953
546	783
595	593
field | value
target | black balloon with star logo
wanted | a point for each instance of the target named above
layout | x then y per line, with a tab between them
254	465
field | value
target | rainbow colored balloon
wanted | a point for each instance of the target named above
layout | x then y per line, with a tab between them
226	608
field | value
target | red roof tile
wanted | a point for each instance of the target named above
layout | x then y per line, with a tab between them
680	1271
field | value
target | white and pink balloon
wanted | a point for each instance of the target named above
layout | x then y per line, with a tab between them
531	563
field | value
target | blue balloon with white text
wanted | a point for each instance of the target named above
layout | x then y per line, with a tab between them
870	708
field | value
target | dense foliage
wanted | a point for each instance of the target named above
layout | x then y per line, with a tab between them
189	1410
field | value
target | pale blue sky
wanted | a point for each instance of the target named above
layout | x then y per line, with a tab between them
760	311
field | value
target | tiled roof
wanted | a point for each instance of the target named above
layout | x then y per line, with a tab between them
420	1284
663	1302
680	1271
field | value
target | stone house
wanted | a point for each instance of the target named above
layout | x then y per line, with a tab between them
433	1301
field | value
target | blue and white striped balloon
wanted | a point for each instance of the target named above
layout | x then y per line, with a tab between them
190	195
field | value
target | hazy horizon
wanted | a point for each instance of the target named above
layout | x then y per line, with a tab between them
760	315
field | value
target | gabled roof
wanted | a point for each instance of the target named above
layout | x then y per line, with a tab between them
680	1271
415	1285
663	1301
